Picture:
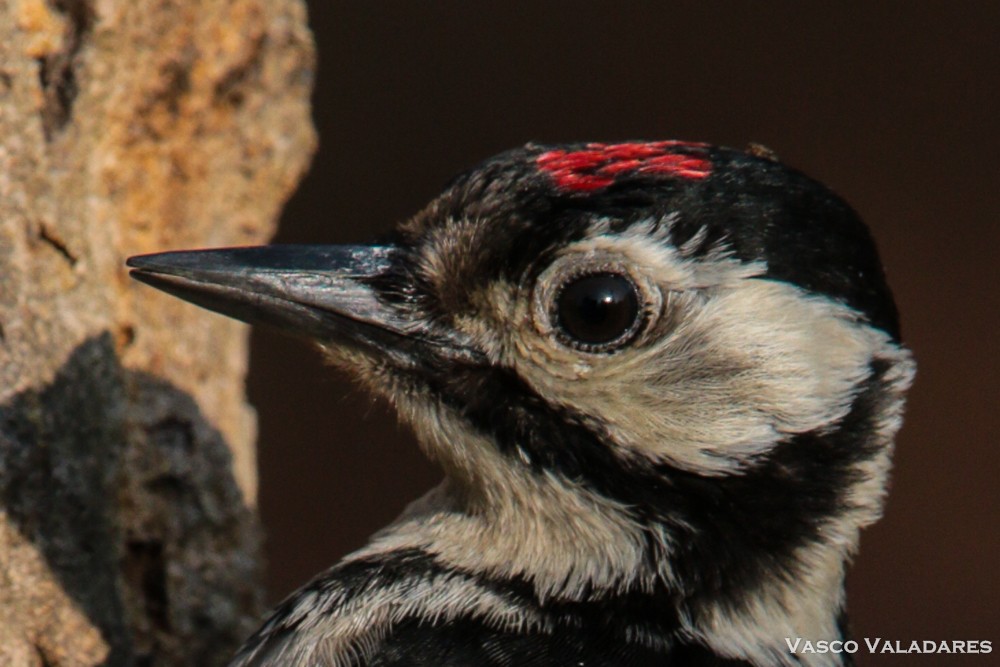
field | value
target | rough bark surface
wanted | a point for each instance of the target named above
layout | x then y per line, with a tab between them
127	483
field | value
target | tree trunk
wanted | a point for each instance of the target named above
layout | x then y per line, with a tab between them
127	482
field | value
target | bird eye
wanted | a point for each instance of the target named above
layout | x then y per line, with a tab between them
598	310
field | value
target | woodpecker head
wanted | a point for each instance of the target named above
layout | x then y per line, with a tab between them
644	366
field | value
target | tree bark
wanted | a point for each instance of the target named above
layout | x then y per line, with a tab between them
127	471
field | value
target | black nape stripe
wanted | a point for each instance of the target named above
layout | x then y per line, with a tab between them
731	531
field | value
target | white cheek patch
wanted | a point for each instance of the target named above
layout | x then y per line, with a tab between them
751	363
736	363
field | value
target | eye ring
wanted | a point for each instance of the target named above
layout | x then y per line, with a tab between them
600	310
552	282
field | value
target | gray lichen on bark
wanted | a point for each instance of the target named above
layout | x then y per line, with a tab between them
127	478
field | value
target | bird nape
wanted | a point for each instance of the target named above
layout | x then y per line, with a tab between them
663	381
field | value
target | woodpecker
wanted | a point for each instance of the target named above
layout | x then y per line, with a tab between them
662	379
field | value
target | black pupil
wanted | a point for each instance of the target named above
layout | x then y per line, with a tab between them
598	308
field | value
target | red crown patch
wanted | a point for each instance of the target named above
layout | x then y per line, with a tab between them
598	165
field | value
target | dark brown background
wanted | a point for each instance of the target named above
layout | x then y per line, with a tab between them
892	104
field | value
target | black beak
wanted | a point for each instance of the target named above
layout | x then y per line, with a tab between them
322	293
